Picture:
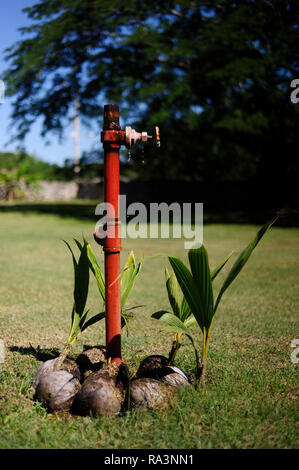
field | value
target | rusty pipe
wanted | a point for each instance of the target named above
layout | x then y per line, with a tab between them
112	140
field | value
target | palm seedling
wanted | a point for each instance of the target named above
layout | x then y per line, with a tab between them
180	315
127	280
197	287
79	321
58	388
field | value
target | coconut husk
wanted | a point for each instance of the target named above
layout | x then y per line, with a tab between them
149	364
155	367
174	376
91	360
148	393
50	366
57	390
103	392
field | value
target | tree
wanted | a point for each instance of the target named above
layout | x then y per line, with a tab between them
215	76
27	166
20	169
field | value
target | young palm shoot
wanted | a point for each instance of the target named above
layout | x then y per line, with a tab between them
179	319
197	287
127	281
79	321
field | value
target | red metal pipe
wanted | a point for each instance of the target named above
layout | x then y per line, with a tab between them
112	138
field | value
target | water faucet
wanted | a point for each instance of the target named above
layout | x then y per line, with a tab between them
132	137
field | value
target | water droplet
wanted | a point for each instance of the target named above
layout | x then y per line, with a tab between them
129	155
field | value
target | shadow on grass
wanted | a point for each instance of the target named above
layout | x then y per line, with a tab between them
76	209
44	354
286	217
86	210
38	353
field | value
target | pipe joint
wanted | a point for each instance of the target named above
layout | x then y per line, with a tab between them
109	236
113	138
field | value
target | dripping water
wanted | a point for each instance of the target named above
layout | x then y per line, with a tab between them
142	156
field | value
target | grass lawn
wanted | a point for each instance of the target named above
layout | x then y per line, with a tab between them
250	396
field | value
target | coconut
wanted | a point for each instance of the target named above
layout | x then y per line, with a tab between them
50	366
57	390
174	376
149	393
102	392
91	360
156	367
150	364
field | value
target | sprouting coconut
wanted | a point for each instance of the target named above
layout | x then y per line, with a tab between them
156	367
57	390
148	392
91	360
173	376
50	366
150	364
103	392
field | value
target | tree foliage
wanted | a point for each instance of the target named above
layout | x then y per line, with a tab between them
214	75
21	165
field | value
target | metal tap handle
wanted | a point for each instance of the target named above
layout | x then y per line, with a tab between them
158	142
132	137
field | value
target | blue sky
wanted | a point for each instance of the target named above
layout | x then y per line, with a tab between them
11	18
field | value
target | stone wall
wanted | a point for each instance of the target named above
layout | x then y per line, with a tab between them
55	191
221	196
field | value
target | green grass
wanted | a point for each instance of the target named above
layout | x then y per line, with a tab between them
250	396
